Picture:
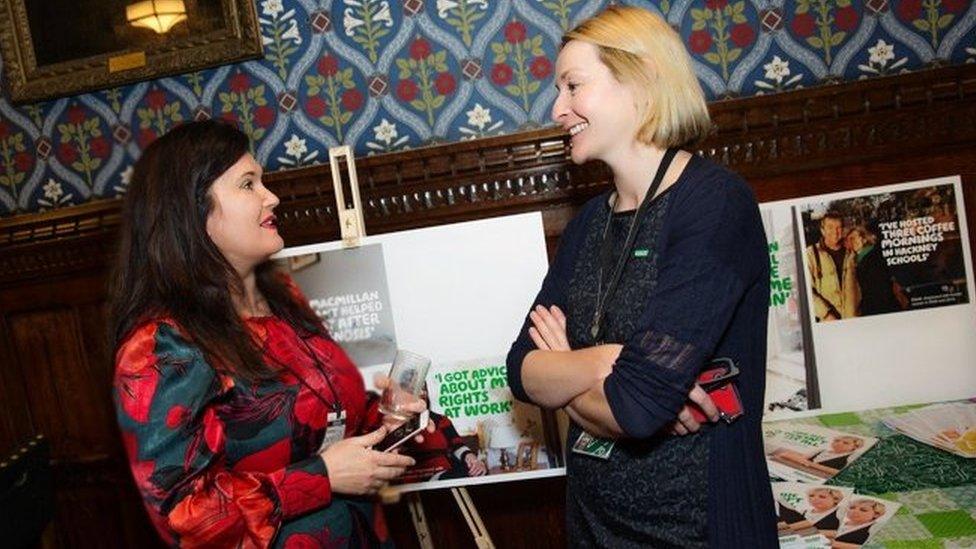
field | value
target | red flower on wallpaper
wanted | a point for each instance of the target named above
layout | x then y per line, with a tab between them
445	83
67	153
419	49
700	41
146	136
515	32
955	6
541	67
230	117
803	25
501	74
156	99
846	18
742	35
328	66
4	129
352	99
239	83
716	5
909	10
407	90
76	114
264	116
100	147
316	106
23	161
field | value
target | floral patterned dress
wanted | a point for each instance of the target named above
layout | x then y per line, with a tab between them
221	462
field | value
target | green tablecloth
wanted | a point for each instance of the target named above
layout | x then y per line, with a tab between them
937	490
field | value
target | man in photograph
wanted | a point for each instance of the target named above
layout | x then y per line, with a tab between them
832	272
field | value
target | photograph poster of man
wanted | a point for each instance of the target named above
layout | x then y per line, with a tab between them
885	252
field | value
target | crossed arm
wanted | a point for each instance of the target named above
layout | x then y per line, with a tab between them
556	376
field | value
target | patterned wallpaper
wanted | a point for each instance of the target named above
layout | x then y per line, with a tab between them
386	75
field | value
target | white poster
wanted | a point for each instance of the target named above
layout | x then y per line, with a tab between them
889	282
457	294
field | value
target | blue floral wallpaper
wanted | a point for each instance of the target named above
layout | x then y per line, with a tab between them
386	75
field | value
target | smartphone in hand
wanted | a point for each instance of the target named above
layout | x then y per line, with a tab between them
409	429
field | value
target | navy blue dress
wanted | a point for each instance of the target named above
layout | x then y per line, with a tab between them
696	287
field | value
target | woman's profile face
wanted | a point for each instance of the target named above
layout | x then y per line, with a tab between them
241	223
599	112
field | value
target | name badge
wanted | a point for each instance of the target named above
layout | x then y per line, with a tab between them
589	445
335	429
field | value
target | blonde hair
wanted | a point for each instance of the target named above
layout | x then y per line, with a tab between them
858	441
834	493
641	50
877	507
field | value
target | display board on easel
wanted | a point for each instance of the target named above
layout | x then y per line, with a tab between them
457	294
871	299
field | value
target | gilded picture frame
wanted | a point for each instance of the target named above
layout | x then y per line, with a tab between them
57	48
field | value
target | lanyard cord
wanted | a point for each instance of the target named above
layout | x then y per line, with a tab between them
603	297
336	405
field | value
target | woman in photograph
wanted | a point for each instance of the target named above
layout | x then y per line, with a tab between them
245	424
861	515
652	280
880	292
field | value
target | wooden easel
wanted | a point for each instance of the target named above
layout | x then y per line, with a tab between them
352	228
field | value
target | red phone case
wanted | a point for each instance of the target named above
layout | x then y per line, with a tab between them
723	393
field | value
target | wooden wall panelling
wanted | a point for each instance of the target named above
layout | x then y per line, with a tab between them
55	369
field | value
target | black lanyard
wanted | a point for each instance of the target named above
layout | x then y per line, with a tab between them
335	405
602	298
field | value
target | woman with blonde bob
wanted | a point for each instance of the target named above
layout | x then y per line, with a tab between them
653	279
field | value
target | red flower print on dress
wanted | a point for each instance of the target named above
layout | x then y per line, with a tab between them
301	491
224	510
177	416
